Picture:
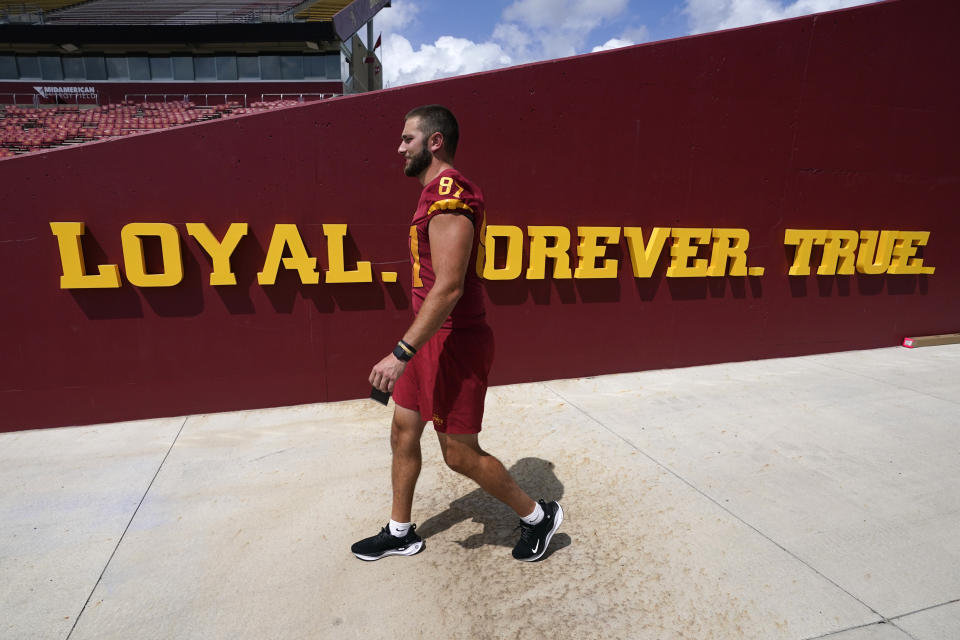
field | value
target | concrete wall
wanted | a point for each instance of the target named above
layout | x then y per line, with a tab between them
842	121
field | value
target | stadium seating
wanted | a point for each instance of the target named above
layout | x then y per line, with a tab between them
28	129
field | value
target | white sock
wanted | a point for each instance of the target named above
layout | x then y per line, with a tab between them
400	529
536	516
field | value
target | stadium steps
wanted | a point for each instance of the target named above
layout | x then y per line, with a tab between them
25	130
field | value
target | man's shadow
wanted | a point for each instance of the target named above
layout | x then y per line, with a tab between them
535	476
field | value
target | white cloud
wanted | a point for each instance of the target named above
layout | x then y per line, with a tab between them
400	14
529	30
612	43
555	28
711	15
636	35
627	38
563	15
515	40
447	57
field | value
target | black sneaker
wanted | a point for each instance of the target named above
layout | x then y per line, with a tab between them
534	538
387	544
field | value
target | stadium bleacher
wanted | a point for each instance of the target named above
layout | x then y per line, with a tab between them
177	12
29	129
145	74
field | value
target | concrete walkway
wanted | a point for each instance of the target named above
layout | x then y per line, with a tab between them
800	498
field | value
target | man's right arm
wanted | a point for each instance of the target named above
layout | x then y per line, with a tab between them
451	243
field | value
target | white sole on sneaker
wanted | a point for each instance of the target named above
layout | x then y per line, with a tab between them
409	550
557	519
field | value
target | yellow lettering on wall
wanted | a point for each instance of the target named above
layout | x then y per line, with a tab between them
683	249
286	236
219	250
514	264
729	245
131	236
644	258
839	253
540	251
844	252
873	256
337	272
804	239
589	251
904	249
71	259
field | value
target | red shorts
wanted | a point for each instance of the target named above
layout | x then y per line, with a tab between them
446	382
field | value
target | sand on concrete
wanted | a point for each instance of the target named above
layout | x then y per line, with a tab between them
793	498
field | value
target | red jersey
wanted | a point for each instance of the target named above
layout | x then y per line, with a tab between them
449	193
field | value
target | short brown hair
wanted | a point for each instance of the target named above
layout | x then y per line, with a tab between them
436	118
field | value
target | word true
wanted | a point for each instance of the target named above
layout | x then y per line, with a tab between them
866	252
501	255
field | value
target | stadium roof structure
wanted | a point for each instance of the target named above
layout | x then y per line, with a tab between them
321	11
181	12
20	6
159	12
130	21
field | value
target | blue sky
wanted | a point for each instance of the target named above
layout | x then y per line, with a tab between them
429	39
475	20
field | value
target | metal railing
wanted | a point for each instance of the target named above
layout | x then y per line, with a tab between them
12	97
36	100
267	97
144	17
196	98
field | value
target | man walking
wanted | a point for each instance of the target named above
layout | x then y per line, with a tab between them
438	370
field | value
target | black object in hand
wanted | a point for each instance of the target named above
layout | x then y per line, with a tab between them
379	396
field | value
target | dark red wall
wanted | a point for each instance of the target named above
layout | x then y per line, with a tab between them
847	120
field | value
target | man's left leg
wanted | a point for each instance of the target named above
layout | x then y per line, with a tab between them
539	520
463	454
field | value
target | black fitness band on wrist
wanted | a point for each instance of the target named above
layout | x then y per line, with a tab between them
403	351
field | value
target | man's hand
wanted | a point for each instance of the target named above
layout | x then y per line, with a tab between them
386	373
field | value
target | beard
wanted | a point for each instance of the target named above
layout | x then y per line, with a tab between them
418	163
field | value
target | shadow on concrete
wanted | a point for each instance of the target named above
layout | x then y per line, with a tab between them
534	475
